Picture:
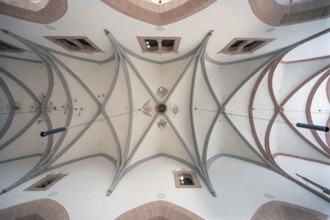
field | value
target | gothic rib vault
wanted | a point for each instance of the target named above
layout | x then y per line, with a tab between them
130	152
192	107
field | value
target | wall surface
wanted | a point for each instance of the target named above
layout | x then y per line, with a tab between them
82	191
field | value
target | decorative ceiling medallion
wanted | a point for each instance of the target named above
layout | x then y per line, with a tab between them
162	92
161	108
174	109
147	109
158	14
161	123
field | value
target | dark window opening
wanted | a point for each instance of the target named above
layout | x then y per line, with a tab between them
186	179
68	43
250	46
84	42
159	44
236	45
151	44
5	47
76	44
46	182
168	44
245	45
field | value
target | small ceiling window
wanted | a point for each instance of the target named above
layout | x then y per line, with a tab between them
151	45
5	47
159	44
76	44
237	44
168	44
244	45
185	179
46	182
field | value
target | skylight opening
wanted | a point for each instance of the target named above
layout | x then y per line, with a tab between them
244	45
151	45
68	44
5	47
252	45
75	44
236	45
168	44
84	42
159	44
46	182
185	179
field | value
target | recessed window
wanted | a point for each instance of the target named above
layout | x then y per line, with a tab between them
185	179
151	45
76	44
5	47
45	183
237	44
244	45
159	44
168	44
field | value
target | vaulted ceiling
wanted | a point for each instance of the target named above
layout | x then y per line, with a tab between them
243	106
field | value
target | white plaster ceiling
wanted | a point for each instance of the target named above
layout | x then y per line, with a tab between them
186	133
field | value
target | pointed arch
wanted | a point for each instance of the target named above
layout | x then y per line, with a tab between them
42	12
276	14
285	211
159	210
36	209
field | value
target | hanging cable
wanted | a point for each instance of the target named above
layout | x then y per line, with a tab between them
318	112
61	129
313	127
300	125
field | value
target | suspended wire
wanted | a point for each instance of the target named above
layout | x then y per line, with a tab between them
318	112
263	119
78	125
101	119
244	116
61	129
18	111
205	110
300	125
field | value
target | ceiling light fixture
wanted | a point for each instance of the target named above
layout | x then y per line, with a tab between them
53	131
61	129
313	127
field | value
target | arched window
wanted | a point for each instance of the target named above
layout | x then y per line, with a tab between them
185	179
274	13
41	11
